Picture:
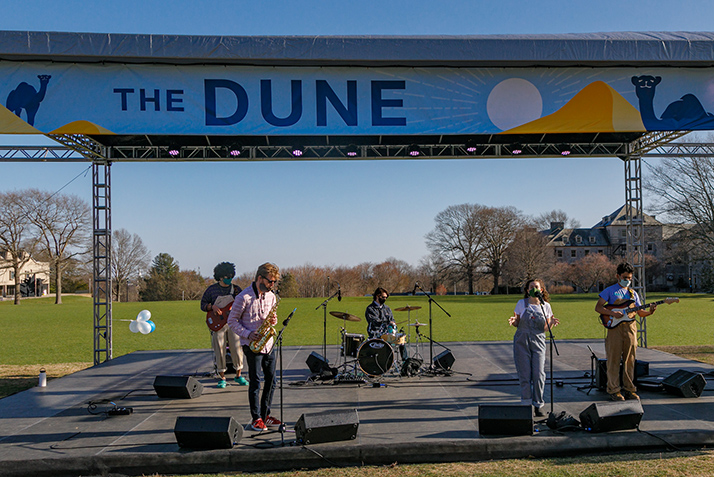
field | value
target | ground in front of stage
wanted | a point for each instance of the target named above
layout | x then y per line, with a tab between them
430	417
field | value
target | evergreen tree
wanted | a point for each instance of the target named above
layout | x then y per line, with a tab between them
162	284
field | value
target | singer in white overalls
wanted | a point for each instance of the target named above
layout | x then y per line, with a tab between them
529	342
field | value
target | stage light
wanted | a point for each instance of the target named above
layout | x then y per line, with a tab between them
564	149
414	150
297	151
516	149
471	147
352	151
234	150
173	150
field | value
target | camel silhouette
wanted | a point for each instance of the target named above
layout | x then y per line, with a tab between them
27	98
686	113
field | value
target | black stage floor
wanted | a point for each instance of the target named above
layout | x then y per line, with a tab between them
425	418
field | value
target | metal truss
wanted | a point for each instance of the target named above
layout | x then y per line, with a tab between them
102	251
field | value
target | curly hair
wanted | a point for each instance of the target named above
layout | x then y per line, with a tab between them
546	296
224	269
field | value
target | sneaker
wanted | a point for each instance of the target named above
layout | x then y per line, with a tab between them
222	383
270	421
538	412
258	425
241	381
617	397
631	396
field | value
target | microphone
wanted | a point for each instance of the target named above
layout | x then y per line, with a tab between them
339	293
539	295
416	284
287	320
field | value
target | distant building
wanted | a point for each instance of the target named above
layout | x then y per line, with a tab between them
665	269
34	277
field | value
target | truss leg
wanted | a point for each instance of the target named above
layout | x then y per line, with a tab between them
101	246
635	227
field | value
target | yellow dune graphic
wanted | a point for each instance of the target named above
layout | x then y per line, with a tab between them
12	124
596	108
81	127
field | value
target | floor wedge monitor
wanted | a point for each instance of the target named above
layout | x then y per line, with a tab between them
328	426
505	420
685	383
207	432
177	387
612	416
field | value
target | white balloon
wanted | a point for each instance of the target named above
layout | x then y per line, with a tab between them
144	315
134	326
144	327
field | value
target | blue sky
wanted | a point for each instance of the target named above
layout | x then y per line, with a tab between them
328	212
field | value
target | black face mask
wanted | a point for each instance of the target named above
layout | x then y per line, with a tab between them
262	287
381	300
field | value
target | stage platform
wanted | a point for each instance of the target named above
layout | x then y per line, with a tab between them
427	418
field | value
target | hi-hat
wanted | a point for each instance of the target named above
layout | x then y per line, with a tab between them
418	324
345	316
408	308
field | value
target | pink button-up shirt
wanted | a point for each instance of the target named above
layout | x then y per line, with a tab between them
250	309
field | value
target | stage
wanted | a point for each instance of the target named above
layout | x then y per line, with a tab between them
426	418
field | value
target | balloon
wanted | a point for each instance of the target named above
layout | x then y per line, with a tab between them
144	327
144	315
153	325
134	326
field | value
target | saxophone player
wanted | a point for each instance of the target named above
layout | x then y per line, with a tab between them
252	307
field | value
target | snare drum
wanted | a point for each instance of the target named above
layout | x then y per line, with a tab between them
395	338
352	343
375	357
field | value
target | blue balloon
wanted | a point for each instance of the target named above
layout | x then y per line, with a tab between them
153	325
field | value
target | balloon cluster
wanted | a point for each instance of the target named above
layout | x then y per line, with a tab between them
143	323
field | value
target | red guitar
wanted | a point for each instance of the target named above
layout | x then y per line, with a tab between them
216	318
628	311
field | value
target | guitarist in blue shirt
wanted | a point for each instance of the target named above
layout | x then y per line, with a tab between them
216	302
621	340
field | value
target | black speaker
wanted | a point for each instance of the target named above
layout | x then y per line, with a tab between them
177	387
207	432
642	369
505	420
317	363
612	416
685	383
444	360
328	426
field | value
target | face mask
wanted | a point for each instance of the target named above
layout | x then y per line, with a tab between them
624	283
533	292
381	300
226	281
262	287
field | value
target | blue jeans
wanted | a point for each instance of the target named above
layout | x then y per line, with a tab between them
266	362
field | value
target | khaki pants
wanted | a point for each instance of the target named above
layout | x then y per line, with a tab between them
621	344
218	342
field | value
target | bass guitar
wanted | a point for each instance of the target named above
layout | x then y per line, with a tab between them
629	311
218	317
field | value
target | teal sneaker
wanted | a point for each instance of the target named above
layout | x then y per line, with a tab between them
241	381
222	383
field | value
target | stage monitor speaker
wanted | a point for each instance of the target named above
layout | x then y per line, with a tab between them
612	416
505	420
317	363
177	387
207	432
328	426
642	369
685	383
444	360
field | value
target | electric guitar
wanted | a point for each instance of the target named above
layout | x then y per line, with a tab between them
217	318
628	311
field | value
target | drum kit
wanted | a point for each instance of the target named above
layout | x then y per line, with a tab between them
381	354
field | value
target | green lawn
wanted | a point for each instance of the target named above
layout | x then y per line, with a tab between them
37	331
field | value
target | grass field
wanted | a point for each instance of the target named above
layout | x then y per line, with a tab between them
39	332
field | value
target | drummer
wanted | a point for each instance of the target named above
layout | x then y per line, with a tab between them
379	318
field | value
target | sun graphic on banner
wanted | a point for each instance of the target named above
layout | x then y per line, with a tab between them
513	102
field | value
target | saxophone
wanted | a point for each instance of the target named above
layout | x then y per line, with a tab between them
266	331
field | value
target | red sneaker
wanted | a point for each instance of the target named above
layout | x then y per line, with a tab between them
258	425
270	421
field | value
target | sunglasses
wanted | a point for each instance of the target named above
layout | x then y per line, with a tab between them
269	281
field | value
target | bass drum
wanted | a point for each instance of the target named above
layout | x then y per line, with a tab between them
375	357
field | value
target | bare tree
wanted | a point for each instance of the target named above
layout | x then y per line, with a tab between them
497	226
588	271
527	257
543	221
14	235
130	258
457	240
63	223
191	284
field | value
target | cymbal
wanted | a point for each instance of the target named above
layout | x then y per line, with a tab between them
408	308
345	316
418	324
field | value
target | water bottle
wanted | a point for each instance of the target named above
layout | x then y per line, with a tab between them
43	378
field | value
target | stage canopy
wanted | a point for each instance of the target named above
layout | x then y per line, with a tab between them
356	97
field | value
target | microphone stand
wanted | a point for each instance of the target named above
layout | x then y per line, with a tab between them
541	301
431	341
279	340
324	324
